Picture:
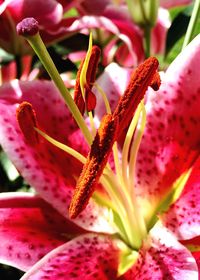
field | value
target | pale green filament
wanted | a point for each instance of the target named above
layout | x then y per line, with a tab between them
132	163
83	75
114	149
135	146
105	99
117	163
63	147
126	146
92	125
125	210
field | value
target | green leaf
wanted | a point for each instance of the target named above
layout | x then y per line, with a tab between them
5	57
176	31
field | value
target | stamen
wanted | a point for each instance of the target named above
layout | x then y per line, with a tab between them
104	97
145	75
27	121
87	99
95	163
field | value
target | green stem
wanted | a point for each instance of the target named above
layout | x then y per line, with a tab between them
192	23
147	31
41	51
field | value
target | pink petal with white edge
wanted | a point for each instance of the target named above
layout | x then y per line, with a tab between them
163	257
29	229
195	245
49	13
89	256
170	142
183	217
46	168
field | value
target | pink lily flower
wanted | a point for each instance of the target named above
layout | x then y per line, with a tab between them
110	249
11	12
119	11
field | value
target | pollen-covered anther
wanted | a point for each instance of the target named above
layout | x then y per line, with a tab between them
90	100
143	76
26	118
156	82
94	166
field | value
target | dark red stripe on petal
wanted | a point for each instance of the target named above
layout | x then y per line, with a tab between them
93	168
144	75
26	118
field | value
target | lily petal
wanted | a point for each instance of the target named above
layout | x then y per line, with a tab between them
159	32
56	171
124	30
194	247
113	81
183	217
163	257
50	12
170	142
90	256
29	229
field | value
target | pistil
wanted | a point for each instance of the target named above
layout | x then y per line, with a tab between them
29	28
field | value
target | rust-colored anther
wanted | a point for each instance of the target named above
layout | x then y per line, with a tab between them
156	82
90	98
26	118
144	75
94	166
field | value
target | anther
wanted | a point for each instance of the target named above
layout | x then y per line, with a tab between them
144	75
90	100
28	27
156	82
26	118
94	166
